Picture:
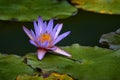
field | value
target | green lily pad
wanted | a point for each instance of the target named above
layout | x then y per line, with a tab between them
11	66
111	39
87	63
27	10
101	6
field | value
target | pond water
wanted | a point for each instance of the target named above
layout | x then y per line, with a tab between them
86	29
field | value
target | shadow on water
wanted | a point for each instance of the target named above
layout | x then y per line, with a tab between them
86	29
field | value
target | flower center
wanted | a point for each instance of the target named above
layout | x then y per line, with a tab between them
45	37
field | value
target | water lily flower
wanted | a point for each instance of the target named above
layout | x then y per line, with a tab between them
45	37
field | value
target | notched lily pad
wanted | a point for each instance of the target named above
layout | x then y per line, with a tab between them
27	10
101	6
87	63
11	66
112	39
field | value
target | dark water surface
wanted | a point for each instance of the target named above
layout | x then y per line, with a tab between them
86	29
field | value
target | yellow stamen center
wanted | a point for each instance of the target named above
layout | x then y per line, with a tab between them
45	37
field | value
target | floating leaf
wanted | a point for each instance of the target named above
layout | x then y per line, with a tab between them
101	6
112	39
87	63
26	10
11	66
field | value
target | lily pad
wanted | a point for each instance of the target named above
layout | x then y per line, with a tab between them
11	66
87	63
27	10
111	39
101	6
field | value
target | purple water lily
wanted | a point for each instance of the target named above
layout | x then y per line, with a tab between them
45	37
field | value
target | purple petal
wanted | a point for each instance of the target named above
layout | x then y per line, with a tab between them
40	24
54	30
62	36
29	33
40	44
36	28
33	43
62	52
45	44
52	48
45	27
33	33
50	26
41	53
58	30
56	26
